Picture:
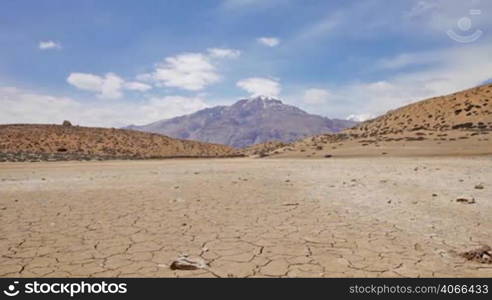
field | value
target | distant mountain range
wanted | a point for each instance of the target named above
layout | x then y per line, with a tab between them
247	122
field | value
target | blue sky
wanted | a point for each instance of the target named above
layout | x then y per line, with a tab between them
114	63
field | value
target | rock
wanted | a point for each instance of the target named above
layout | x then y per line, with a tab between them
434	195
290	204
466	200
479	187
482	255
328	156
67	123
185	263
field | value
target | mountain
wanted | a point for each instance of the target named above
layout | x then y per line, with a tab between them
247	122
29	142
455	124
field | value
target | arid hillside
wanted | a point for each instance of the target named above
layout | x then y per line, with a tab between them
56	142
456	124
470	109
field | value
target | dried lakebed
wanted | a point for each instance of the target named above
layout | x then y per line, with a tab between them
388	217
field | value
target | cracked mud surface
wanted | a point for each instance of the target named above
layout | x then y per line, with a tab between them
353	217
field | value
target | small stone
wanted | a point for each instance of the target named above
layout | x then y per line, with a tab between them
185	263
434	195
290	204
466	200
482	255
479	187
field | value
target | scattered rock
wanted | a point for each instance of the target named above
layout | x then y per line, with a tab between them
185	263
482	255
434	195
479	187
328	156
466	200
290	204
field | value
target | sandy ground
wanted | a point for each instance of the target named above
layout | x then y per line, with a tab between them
339	217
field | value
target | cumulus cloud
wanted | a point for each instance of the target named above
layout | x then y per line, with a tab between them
360	117
269	41
258	86
137	86
189	71
224	52
316	96
21	106
46	45
109	86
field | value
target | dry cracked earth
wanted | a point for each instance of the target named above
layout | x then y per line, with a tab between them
353	217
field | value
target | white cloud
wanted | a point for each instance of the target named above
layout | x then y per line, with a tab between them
316	96
137	86
108	87
46	45
224	52
189	71
360	117
257	86
269	41
83	81
21	106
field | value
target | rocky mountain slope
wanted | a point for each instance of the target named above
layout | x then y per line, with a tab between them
456	124
25	142
247	122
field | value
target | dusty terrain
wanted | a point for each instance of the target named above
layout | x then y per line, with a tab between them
385	216
29	142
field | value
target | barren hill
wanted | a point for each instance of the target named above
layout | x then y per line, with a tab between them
470	109
25	142
456	124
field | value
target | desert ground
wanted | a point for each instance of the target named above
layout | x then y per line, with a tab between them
337	217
